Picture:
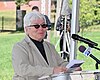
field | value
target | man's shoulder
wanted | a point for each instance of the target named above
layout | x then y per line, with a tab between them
46	16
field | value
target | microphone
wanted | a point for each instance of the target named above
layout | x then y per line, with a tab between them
87	52
87	41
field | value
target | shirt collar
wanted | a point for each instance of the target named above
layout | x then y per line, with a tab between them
35	41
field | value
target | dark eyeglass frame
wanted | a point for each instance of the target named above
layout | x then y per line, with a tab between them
38	25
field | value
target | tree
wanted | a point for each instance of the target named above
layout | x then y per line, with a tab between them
97	12
20	14
20	2
87	15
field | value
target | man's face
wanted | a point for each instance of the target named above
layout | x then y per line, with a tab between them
37	33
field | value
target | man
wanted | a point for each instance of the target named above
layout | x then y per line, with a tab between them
47	19
33	57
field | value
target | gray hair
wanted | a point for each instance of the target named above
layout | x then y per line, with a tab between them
34	15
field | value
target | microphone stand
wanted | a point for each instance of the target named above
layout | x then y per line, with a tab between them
97	60
97	77
96	48
93	57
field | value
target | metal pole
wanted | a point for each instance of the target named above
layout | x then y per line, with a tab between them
49	8
2	23
49	12
64	39
57	12
43	6
74	28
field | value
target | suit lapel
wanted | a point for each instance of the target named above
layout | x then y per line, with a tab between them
48	53
36	51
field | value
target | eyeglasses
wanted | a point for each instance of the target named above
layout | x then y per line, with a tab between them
38	25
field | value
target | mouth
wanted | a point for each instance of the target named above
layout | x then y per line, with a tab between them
41	33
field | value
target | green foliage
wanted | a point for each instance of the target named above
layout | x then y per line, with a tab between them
89	13
21	2
86	12
97	13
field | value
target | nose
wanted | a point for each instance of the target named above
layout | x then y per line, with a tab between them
40	27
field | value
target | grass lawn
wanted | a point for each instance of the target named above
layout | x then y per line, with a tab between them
8	39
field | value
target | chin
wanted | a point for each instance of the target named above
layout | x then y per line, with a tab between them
40	39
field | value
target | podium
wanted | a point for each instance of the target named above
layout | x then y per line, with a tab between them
76	75
85	75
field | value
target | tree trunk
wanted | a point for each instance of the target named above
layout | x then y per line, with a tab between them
18	7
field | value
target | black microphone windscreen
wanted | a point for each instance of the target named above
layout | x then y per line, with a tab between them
75	36
87	41
82	48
